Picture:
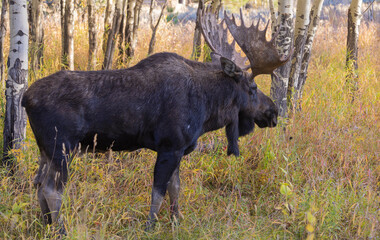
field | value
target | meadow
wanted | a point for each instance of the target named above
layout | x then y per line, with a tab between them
314	176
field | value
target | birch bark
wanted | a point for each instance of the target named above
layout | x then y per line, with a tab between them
36	34
273	15
62	11
197	40
129	33
154	28
112	36
3	33
121	34
15	117
91	35
68	34
284	43
354	17
107	23
301	27
314	20
136	23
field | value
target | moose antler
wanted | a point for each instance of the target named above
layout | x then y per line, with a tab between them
262	54
216	37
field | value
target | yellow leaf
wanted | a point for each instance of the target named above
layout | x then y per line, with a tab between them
286	213
278	208
289	208
310	218
285	190
309	228
358	139
310	236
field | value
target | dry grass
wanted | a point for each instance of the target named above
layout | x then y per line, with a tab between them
316	176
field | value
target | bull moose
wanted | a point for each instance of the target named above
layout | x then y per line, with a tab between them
163	103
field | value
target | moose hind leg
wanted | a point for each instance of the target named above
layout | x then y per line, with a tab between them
173	190
38	179
44	206
166	164
51	189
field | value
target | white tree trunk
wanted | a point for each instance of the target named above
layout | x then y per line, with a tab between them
300	33
153	27
36	34
67	34
107	23
15	116
197	40
91	35
284	43
314	20
62	11
129	33
112	36
354	17
3	32
136	22
273	14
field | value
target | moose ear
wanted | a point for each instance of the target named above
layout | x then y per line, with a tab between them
230	68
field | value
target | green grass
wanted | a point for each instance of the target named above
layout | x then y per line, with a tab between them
316	175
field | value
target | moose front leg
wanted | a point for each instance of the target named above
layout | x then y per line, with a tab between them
232	132
166	164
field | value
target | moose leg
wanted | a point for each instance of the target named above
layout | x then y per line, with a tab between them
44	206
41	175
166	164
50	192
173	190
232	132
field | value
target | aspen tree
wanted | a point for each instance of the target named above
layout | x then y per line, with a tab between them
15	117
91	35
315	13
284	43
197	40
67	24
354	17
289	79
301	27
107	23
128	31
154	27
3	33
36	34
112	36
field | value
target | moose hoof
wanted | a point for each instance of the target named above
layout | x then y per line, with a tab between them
58	231
150	225
234	152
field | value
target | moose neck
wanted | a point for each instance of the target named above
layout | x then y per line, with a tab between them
224	100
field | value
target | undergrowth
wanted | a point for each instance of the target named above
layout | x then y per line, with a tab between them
316	175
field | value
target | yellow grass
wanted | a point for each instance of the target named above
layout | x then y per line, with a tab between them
316	176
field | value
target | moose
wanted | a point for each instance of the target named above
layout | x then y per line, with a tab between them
163	103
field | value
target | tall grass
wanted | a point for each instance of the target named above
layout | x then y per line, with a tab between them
314	176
